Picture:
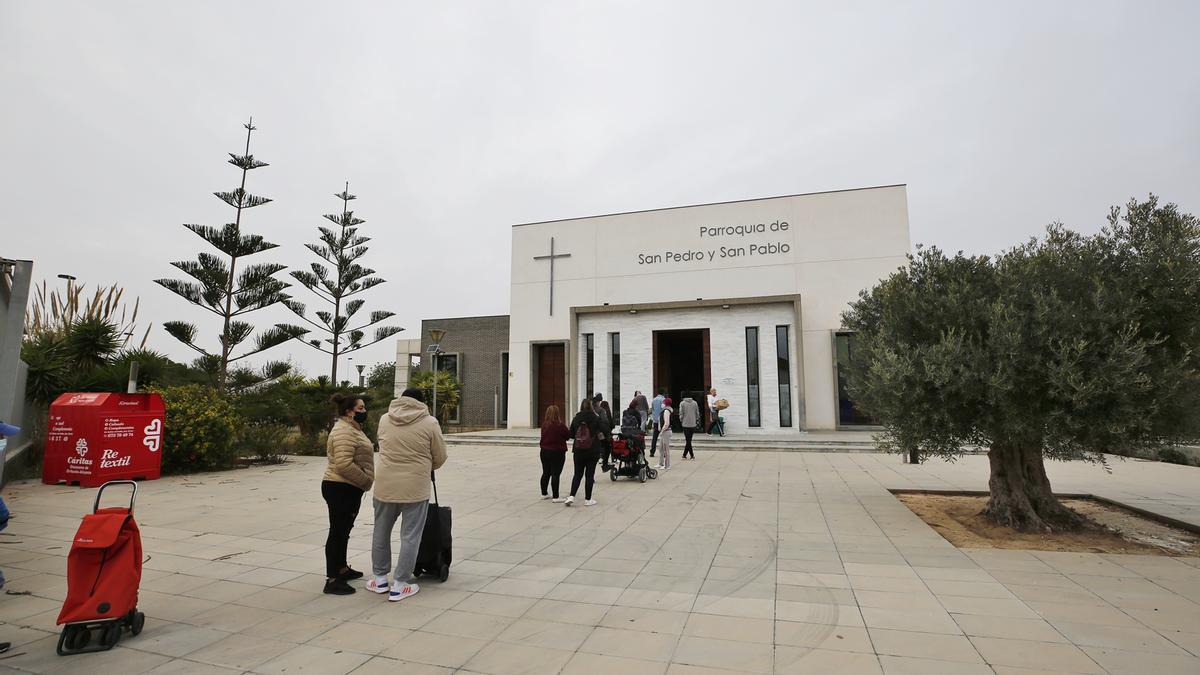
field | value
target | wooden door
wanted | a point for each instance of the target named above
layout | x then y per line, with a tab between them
551	380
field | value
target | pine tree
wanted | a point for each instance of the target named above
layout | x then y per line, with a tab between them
340	249
221	288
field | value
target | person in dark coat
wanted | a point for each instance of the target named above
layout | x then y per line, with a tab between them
553	450
585	429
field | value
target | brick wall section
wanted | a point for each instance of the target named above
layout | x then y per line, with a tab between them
479	342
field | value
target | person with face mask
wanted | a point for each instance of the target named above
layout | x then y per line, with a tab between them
350	473
6	430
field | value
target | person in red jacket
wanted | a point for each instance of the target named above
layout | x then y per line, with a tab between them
554	450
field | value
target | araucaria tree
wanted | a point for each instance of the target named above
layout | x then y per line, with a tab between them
227	289
1066	347
336	281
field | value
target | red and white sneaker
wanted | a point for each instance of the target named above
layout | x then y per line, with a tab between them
377	585
400	592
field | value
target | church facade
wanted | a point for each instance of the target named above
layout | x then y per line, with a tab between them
745	297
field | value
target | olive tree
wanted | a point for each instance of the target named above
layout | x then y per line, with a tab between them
1065	347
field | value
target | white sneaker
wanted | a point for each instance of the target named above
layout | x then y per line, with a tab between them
659	466
377	585
569	501
590	502
399	593
559	500
545	496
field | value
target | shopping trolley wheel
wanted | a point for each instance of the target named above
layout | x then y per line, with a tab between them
642	475
444	572
112	634
613	475
139	622
77	637
653	473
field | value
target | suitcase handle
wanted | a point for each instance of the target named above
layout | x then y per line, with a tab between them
433	479
132	496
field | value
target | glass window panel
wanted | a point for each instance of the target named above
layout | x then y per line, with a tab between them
752	392
783	366
590	363
614	361
848	412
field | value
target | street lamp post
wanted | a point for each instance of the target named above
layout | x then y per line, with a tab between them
435	350
360	368
70	304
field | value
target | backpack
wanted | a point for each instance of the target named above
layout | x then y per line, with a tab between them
631	419
583	438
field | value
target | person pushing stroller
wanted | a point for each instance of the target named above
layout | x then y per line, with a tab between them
633	426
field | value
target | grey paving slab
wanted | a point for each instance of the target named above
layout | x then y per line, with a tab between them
736	562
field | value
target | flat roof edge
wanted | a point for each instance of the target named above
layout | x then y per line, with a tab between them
732	201
461	318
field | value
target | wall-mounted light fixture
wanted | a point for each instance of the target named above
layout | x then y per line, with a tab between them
724	306
633	311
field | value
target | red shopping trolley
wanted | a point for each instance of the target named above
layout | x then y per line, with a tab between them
104	570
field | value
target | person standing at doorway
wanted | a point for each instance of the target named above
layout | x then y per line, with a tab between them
689	419
712	408
553	451
585	429
642	406
656	408
664	436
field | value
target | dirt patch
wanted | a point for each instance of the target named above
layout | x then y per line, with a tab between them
959	519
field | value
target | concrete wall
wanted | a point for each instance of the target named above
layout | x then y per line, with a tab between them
479	342
15	280
834	245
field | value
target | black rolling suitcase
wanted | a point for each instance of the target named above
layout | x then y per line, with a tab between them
434	556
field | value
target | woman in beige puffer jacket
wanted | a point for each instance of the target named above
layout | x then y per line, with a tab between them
349	473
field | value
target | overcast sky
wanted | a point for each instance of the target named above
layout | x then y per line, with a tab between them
453	121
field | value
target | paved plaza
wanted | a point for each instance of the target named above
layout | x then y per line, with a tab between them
754	562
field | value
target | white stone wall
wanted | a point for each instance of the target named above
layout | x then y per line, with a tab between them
404	348
727	335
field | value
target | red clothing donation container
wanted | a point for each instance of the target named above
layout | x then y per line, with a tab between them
97	437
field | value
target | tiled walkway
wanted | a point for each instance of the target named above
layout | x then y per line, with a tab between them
752	562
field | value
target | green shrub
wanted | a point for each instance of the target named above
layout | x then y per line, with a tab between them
266	442
296	443
1173	456
201	429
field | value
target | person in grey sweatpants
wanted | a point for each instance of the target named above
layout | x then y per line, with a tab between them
410	449
412	526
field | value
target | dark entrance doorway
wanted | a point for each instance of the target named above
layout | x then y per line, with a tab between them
550	379
682	363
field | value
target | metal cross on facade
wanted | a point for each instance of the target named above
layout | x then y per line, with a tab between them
551	258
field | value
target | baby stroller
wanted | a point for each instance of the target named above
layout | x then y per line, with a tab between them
104	570
629	458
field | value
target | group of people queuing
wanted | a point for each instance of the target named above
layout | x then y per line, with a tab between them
411	448
590	433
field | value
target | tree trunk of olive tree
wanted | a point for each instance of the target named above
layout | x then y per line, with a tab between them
1021	497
